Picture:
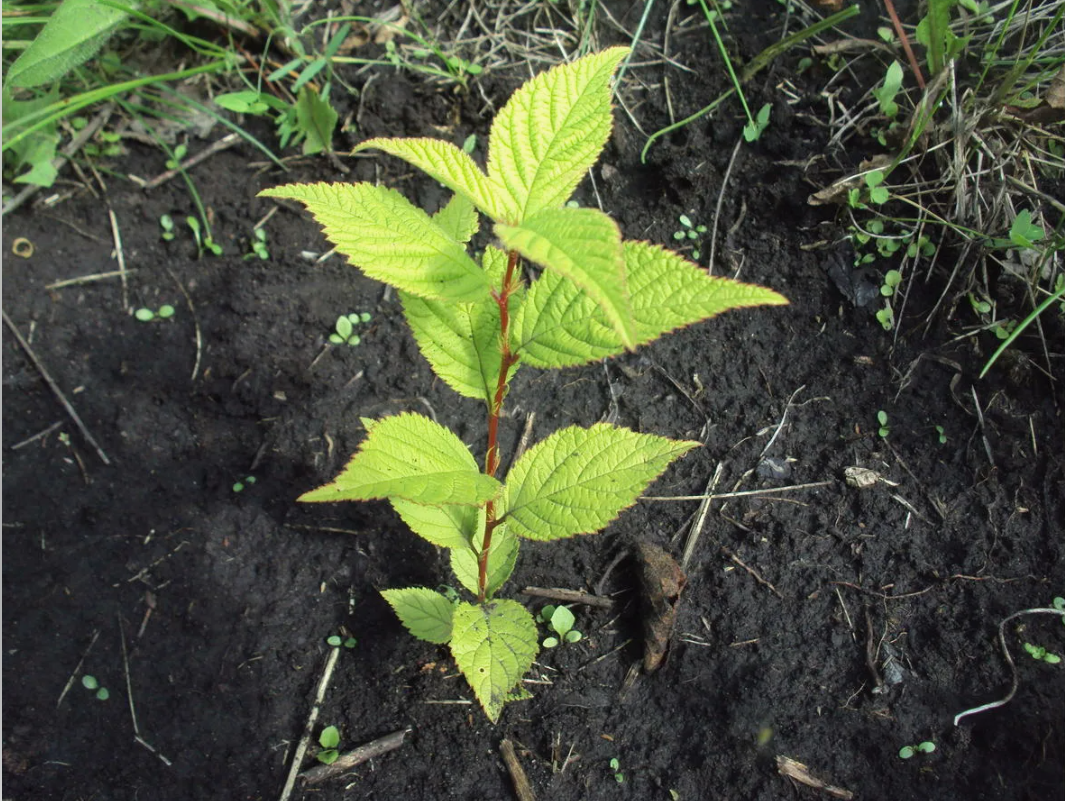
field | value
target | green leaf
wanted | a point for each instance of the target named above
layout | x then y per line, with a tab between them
558	325
448	164
459	340
502	556
443	526
584	245
315	118
562	621
73	34
412	458
494	644
1023	232
579	479
458	219
329	738
390	239
550	133
424	613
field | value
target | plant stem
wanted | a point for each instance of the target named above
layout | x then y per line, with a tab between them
495	411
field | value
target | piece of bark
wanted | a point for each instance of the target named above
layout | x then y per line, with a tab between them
522	789
661	583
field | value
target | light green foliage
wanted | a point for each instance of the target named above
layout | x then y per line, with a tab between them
584	246
892	278
882	420
689	231
619	777
412	458
329	739
941	435
73	34
258	245
560	326
165	312
907	751
35	150
754	129
166	223
561	621
239	486
90	683
1023	232
550	133
344	329
476	323
502	557
1041	654
885	93
315	121
425	613
493	643
203	240
363	220
878	193
179	152
579	479
335	640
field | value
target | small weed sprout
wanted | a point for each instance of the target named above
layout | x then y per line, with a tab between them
239	486
345	328
689	231
336	641
886	317
146	315
878	193
907	751
892	278
470	143
166	222
1041	654
179	153
561	621
888	90
1024	233
329	739
882	420
1059	604
754	129
203	241
941	435
258	245
615	765
90	683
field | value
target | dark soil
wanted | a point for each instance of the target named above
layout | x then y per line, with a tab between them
208	609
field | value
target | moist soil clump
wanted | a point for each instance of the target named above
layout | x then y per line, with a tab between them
828	624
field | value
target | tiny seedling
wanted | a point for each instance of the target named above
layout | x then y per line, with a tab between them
146	315
179	153
478	321
754	129
345	328
90	683
892	278
258	245
886	317
329	739
1024	233
689	232
561	621
470	143
887	91
239	486
1059	604
1041	654
907	751
203	241
166	222
615	765
336	641
882	420
878	193
941	435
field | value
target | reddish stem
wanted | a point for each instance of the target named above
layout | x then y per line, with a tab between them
897	24
495	411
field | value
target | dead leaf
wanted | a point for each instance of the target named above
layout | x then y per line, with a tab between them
661	583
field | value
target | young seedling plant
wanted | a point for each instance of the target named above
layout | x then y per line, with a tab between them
908	751
561	621
146	315
329	739
477	323
345	328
